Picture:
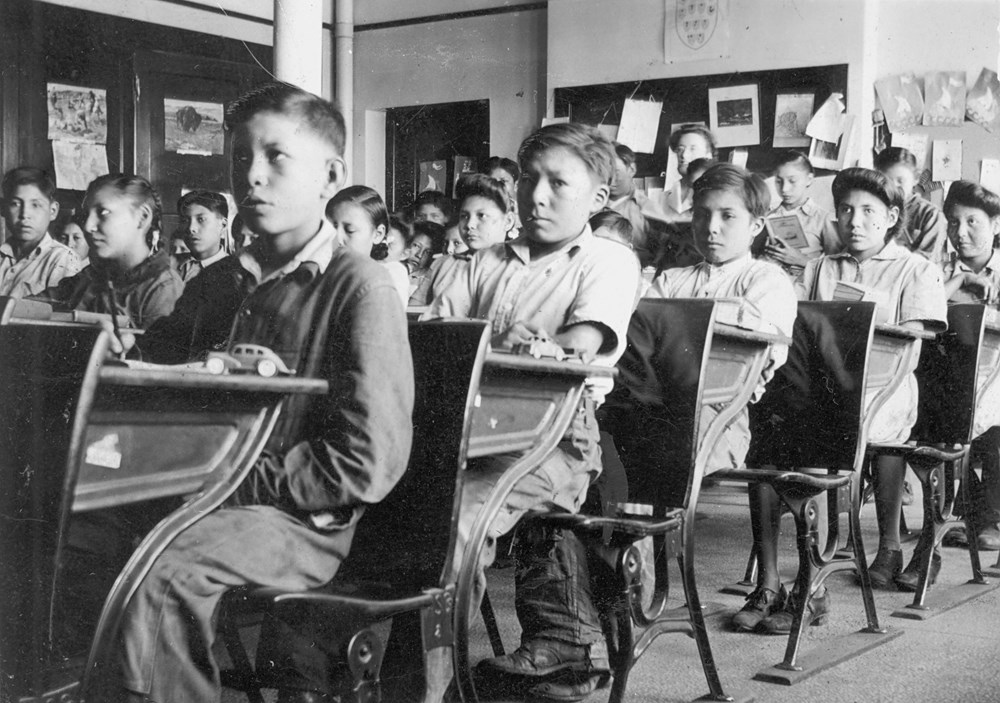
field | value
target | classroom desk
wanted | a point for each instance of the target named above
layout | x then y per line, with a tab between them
109	435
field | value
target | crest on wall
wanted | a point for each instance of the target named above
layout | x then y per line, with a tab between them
696	21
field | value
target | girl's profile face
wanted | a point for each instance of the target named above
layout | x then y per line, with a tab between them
793	184
353	224
863	222
73	237
971	231
483	224
903	176
116	227
453	242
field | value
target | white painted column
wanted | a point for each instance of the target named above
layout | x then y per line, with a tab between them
298	43
343	18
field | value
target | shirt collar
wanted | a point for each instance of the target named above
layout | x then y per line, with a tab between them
891	251
738	263
519	247
808	208
218	256
675	200
46	242
992	264
318	250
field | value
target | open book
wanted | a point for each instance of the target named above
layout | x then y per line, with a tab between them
787	228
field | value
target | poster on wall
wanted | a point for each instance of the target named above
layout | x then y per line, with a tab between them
463	165
983	103
431	176
192	127
833	156
639	124
944	98
902	101
791	115
696	30
78	163
77	114
946	160
734	115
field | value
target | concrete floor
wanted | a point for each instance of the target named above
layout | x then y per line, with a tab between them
951	657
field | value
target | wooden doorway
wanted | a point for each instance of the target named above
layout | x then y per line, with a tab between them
429	133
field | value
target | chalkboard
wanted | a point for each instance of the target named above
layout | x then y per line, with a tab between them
685	99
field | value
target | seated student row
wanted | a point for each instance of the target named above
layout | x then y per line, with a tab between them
710	244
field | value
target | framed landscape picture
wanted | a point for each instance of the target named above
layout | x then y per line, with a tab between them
734	115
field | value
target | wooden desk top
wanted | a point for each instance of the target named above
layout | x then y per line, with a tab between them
498	359
166	377
733	332
902	331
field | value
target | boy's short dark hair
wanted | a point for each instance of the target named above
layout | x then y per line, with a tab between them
890	156
625	154
972	195
749	186
28	176
321	116
615	222
216	202
698	129
794	158
702	164
478	184
502	162
876	184
588	143
433	197
367	199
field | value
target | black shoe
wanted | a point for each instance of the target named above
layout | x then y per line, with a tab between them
909	579
956	538
885	567
536	658
567	688
761	603
780	623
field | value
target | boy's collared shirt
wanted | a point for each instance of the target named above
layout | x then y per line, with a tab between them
47	264
912	283
817	225
767	290
191	267
589	280
442	273
670	207
991	271
630	207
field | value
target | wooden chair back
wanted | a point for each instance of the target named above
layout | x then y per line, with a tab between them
654	412
407	539
812	413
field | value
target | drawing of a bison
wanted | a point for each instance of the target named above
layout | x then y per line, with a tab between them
188	119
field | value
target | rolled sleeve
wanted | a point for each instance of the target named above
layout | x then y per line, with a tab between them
606	297
923	298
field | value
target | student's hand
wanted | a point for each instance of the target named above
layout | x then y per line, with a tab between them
519	333
779	250
118	347
981	283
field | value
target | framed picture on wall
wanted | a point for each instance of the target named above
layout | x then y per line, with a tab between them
833	156
792	112
734	115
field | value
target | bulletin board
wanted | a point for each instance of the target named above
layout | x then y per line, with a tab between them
686	99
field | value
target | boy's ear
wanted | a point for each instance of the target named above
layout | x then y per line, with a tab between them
995	222
756	225
336	176
379	234
601	194
893	216
53	210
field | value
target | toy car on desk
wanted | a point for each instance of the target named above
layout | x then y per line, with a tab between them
247	358
540	347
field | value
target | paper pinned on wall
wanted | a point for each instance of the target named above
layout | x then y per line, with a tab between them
902	101
947	160
989	174
78	163
546	121
944	98
695	31
738	157
77	114
983	103
609	130
916	144
639	124
828	123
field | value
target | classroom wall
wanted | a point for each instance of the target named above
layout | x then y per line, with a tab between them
924	35
498	57
376	11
